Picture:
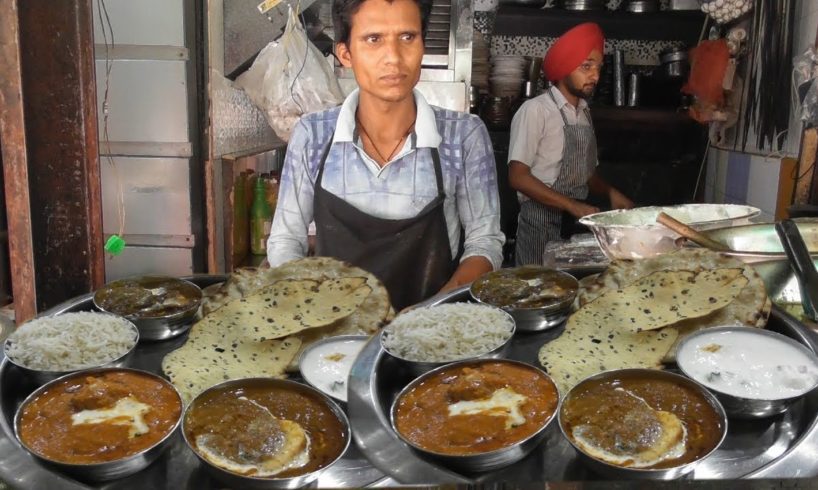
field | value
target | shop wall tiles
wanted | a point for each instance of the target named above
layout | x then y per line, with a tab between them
741	178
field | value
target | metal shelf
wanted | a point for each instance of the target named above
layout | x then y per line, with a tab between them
679	25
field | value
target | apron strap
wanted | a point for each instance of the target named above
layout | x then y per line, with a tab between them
559	109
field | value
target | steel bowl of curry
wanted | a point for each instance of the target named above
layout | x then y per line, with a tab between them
642	423
161	307
477	415
538	298
265	432
99	424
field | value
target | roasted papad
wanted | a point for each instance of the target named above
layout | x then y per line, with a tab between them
256	335
751	307
372	314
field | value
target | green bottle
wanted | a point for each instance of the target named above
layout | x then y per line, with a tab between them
261	218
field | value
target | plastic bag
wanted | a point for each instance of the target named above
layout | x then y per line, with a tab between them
290	78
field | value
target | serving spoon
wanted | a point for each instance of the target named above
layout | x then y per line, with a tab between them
691	234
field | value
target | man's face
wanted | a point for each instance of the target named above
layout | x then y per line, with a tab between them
582	81
385	48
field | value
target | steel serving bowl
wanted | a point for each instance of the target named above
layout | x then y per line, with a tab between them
41	377
316	383
759	242
742	407
158	327
620	472
109	470
481	462
418	368
237	480
635	234
534	319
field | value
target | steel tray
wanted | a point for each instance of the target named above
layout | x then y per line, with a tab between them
176	469
778	447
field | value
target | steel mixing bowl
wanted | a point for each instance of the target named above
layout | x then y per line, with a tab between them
744	407
417	368
41	376
237	480
533	319
635	234
153	327
109	470
621	472
480	462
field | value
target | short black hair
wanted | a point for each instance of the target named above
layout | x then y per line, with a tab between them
343	10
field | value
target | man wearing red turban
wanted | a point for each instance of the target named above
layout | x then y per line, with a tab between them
552	152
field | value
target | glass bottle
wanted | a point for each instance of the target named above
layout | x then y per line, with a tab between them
261	218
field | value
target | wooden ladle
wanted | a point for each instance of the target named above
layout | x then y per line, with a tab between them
693	235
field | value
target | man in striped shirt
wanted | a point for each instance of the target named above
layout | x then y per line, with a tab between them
391	182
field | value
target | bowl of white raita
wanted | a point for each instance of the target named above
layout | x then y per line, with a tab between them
753	372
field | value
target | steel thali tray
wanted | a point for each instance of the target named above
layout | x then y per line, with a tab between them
177	468
777	447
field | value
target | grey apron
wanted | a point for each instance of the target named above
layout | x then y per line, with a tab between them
537	224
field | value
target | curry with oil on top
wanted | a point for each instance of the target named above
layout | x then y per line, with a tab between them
476	408
641	423
148	297
99	417
525	287
265	431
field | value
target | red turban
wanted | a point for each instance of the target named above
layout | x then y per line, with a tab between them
571	49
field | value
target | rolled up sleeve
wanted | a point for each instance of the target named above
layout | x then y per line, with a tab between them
527	128
294	210
478	199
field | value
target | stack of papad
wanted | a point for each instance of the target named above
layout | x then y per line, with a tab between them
373	313
249	337
632	314
751	307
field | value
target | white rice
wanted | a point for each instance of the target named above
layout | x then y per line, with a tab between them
448	332
71	341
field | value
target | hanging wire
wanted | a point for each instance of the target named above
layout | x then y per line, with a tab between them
300	13
108	31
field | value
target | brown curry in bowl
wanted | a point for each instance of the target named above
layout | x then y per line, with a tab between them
633	421
473	408
99	416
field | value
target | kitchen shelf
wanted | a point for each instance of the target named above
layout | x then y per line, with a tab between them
678	25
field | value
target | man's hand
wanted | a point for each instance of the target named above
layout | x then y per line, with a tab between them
619	200
580	209
470	269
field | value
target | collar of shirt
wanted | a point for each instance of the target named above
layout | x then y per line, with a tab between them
424	136
563	102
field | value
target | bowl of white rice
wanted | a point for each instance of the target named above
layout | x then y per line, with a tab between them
49	347
429	337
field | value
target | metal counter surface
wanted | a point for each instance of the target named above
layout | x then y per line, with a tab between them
785	446
177	468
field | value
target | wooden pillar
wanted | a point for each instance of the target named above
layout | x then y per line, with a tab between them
15	167
59	102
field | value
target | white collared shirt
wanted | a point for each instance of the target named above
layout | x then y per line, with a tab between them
537	137
425	133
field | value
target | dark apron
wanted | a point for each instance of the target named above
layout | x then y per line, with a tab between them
411	256
537	223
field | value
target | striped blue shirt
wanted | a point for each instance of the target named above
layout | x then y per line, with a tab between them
400	189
